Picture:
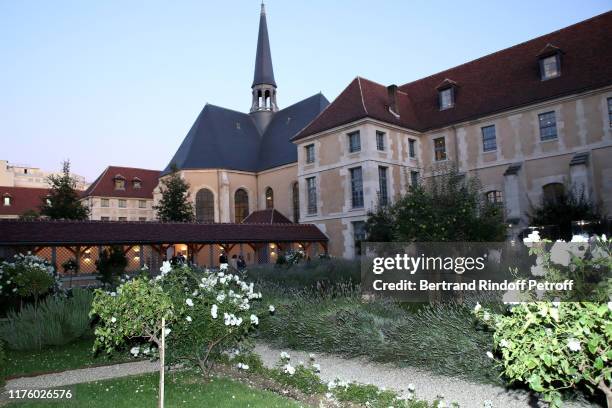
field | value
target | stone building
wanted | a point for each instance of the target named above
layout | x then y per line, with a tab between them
122	194
532	120
20	175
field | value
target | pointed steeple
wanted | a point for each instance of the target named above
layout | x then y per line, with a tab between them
264	73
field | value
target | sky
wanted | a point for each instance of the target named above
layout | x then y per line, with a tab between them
120	83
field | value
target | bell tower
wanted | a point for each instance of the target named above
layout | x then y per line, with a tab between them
264	86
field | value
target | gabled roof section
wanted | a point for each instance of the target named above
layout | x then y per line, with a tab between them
219	139
276	148
104	185
362	98
264	72
22	199
500	81
267	216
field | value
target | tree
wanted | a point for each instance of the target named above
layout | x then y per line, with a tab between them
449	207
111	266
174	204
63	202
567	207
29	215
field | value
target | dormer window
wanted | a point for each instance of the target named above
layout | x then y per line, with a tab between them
119	182
7	200
136	183
446	98
550	62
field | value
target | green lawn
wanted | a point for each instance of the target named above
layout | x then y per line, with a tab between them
51	359
183	389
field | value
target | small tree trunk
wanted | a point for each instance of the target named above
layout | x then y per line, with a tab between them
162	352
606	390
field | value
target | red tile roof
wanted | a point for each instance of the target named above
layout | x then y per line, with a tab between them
497	82
104	186
56	233
267	216
22	199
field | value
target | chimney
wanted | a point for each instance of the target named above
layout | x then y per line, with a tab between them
392	96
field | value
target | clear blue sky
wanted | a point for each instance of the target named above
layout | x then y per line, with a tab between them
116	82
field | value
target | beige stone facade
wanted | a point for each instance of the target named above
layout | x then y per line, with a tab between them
582	124
16	175
120	209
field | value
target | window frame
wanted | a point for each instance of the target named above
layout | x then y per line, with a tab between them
487	138
354	148
358	226
383	186
295	198
557	74
380	141
544	126
142	203
104	201
414	178
7	201
269	198
205	205
122	200
441	149
495	197
451	98
609	101
357	199
311	195
412	148
241	209
310	153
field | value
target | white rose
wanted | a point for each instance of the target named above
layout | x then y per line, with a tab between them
113	319
254	320
189	302
213	311
489	354
188	318
573	344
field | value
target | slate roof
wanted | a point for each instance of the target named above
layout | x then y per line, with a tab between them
267	216
17	233
104	185
22	199
222	138
264	72
494	83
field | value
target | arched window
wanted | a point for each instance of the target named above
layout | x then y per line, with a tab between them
241	205
269	198
495	197
205	206
295	190
553	192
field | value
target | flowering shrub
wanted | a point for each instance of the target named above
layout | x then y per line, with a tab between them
207	313
293	256
555	345
28	275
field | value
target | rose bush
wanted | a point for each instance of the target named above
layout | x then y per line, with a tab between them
28	275
559	344
207	312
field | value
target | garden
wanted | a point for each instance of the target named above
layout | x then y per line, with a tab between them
301	333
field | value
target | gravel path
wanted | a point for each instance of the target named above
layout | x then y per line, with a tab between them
428	386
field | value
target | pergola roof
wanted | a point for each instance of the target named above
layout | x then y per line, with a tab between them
65	233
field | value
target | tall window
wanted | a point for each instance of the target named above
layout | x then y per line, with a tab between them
495	197
356	187
104	202
383	195
446	98
489	143
548	126
359	235
411	148
380	140
310	153
269	198
311	189
553	192
414	178
241	205
205	206
354	140
610	111
142	203
439	149
295	191
550	67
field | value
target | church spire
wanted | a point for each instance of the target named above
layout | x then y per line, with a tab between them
264	86
264	73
